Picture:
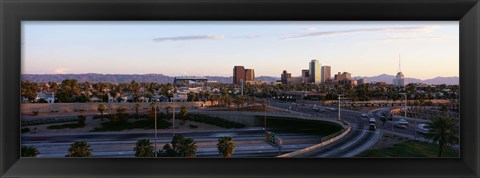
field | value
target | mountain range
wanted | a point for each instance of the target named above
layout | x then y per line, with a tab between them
160	78
123	78
434	81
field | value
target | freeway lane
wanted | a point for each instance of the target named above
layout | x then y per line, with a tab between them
249	142
389	125
357	141
355	118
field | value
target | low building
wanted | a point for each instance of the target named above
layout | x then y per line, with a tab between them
256	82
182	97
48	97
190	81
295	95
95	99
295	80
361	81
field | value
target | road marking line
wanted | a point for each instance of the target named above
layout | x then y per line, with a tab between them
358	138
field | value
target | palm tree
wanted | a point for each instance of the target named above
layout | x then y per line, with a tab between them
167	110
183	113
225	146
144	148
136	108
29	151
188	148
79	149
101	108
228	100
444	131
212	99
152	105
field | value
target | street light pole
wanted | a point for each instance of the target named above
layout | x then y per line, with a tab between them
265	117
155	129
339	96
415	126
173	125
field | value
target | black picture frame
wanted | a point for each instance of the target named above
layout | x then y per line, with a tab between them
12	12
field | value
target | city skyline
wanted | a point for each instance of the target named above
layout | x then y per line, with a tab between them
267	47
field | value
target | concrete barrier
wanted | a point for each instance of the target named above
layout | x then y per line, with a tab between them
317	146
28	108
249	118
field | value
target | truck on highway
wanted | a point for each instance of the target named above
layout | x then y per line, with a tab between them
372	124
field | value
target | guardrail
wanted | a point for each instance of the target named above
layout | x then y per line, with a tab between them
324	141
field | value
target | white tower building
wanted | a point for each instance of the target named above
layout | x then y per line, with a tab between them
400	79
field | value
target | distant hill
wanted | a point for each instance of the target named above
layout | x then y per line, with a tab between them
160	78
122	78
437	80
91	77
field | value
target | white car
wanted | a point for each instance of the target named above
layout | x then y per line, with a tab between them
422	128
364	115
402	123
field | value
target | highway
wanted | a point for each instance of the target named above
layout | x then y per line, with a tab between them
360	138
249	142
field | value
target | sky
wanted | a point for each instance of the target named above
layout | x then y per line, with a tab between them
426	49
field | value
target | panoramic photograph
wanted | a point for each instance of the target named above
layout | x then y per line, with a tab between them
240	89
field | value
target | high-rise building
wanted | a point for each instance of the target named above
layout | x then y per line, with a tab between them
315	72
343	76
285	76
400	80
326	73
249	75
305	76
238	74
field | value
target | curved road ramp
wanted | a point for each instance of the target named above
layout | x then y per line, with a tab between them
325	141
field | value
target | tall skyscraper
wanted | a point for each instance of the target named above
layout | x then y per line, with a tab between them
326	73
305	76
238	74
249	75
315	72
285	76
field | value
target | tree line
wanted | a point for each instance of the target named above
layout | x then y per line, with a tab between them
180	146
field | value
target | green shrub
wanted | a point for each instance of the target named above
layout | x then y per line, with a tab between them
139	124
81	120
25	130
214	121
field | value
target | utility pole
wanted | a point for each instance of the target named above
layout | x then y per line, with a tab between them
339	97
415	132
265	118
155	129
173	126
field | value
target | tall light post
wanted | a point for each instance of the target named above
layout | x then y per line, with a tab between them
265	117
173	125
339	97
155	129
415	127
